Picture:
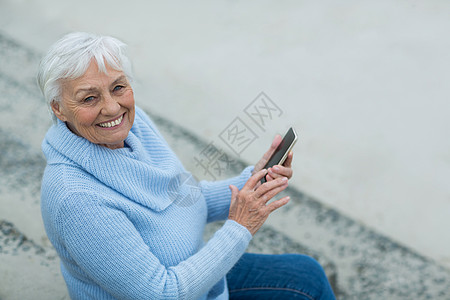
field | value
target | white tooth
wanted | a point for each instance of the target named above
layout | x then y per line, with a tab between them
111	124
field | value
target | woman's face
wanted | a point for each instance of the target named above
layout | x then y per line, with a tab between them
97	106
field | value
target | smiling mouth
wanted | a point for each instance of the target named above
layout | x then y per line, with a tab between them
112	123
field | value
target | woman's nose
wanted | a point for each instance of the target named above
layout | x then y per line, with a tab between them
110	105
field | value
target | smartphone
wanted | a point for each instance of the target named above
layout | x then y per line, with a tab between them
281	153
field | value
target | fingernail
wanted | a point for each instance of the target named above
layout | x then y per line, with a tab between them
276	168
284	179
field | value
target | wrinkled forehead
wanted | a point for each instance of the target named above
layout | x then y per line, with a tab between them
95	77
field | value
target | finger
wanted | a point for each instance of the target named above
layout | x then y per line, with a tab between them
273	192
259	183
264	188
289	158
272	174
277	204
269	178
254	179
234	194
277	171
276	141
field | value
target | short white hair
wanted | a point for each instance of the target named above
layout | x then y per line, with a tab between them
70	57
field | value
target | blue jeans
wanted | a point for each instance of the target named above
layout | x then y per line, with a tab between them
285	276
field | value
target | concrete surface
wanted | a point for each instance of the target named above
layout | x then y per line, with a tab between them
364	82
361	263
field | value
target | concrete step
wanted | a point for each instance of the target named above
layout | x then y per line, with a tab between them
360	263
28	270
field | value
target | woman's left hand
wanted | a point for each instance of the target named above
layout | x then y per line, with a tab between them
277	171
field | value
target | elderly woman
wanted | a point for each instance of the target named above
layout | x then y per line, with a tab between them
106	203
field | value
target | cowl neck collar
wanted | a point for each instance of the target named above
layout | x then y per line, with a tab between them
141	172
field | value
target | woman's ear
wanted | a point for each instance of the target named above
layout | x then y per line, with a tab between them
56	108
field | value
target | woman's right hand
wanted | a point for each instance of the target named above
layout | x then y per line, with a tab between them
249	205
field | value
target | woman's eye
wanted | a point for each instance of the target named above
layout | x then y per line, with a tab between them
89	99
118	88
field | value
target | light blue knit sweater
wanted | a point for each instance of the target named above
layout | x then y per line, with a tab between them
118	232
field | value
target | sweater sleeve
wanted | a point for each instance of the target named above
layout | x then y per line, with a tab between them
218	194
107	247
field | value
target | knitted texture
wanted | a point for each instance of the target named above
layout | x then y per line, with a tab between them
115	219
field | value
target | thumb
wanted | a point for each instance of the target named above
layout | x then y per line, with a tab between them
234	192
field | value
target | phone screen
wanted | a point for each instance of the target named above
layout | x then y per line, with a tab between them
280	154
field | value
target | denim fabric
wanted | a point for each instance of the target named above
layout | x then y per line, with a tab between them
285	276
